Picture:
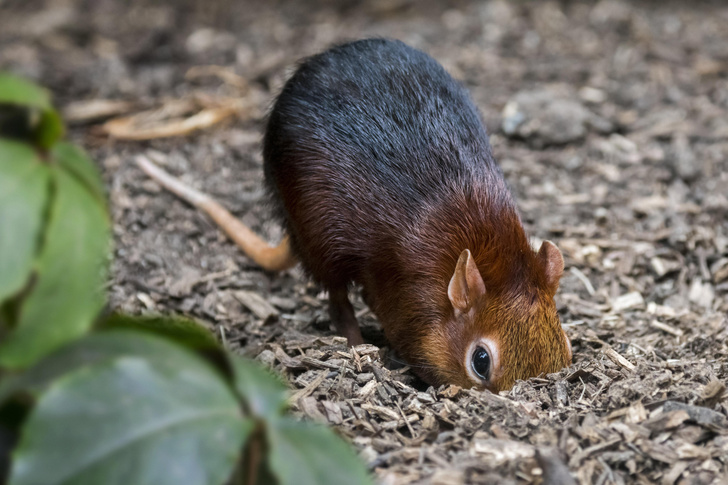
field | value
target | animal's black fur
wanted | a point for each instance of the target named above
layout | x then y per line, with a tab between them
367	136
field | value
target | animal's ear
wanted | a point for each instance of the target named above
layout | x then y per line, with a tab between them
552	263
466	284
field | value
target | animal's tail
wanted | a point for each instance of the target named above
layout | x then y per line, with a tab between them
270	258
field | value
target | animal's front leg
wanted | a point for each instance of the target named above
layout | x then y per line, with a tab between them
342	316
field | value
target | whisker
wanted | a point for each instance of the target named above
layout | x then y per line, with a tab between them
441	371
410	364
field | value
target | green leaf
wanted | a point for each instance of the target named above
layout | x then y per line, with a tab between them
16	90
91	350
23	195
156	420
50	129
68	294
77	162
264	393
306	454
21	92
184	331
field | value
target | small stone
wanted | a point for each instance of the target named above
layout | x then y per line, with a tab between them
701	293
683	159
267	357
549	117
592	95
368	454
448	477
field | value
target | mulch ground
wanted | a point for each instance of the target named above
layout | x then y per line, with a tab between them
610	121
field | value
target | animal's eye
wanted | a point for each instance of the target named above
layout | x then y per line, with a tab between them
481	363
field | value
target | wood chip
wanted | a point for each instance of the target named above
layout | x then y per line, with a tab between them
383	412
254	302
628	301
719	269
701	293
147	300
368	388
667	420
615	357
582	277
675	472
286	360
555	471
306	391
333	412
577	458
703	416
662	311
712	393
310	407
226	74
666	328
501	451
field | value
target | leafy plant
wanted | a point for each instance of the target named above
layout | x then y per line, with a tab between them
116	399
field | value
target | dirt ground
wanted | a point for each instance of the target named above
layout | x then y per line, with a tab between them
610	121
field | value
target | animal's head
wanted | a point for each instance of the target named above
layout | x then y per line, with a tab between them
499	335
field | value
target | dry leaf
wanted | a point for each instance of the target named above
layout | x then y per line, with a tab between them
130	128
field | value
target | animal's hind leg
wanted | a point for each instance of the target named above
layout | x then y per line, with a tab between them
342	316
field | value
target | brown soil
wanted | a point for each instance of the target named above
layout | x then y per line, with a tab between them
636	200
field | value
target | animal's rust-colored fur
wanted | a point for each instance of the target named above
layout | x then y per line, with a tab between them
517	311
